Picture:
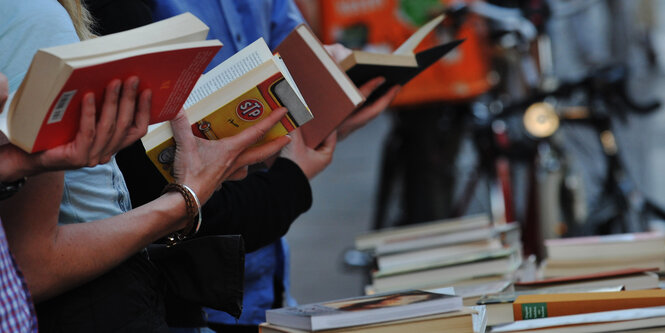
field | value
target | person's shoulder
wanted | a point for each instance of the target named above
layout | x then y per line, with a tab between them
26	27
35	12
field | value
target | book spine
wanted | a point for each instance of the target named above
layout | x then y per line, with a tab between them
535	310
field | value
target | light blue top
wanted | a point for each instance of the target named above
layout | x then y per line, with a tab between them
237	23
26	26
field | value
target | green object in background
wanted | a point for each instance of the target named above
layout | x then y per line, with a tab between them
419	12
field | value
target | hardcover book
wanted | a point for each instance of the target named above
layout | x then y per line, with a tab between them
328	91
167	56
231	97
364	310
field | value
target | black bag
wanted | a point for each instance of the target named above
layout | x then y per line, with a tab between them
206	271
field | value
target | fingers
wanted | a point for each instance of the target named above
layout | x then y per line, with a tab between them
107	121
239	174
328	145
253	134
4	91
377	106
260	153
182	131
141	119
126	108
371	85
362	116
337	51
85	137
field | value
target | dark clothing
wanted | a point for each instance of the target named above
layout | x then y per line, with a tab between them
260	207
129	298
113	16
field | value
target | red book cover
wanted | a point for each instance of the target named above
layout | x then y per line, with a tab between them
170	75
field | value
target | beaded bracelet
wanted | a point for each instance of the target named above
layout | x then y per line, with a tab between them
193	207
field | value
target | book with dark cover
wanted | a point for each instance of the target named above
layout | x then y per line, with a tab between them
395	73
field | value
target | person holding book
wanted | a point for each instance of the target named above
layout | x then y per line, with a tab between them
16	309
236	24
56	258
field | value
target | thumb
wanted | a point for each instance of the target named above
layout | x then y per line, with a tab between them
182	131
328	145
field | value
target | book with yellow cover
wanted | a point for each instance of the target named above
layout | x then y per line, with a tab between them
231	97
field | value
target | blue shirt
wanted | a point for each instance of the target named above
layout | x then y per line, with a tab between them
238	23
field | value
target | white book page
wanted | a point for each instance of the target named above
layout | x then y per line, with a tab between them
410	44
4	126
232	68
287	76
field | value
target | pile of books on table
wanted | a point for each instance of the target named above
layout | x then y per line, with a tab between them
642	310
587	255
411	310
616	288
468	252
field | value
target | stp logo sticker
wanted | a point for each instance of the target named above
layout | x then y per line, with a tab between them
249	109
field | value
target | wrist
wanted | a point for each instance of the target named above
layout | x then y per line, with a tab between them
192	212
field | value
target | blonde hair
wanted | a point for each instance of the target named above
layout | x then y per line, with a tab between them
80	16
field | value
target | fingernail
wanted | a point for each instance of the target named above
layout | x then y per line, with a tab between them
135	84
117	88
381	81
90	99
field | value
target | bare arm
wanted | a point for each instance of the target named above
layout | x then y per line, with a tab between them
55	258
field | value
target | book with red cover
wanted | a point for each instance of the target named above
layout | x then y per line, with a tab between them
329	93
45	111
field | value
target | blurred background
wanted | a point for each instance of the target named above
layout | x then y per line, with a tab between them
549	114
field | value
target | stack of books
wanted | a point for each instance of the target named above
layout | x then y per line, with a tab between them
412	310
588	255
463	252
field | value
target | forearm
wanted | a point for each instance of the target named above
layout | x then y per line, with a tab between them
55	258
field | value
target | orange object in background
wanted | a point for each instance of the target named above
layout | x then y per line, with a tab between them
382	25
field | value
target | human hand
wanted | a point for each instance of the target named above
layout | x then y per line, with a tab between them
360	117
204	164
311	161
337	51
120	123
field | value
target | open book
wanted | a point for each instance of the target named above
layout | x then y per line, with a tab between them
168	57
231	97
399	67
